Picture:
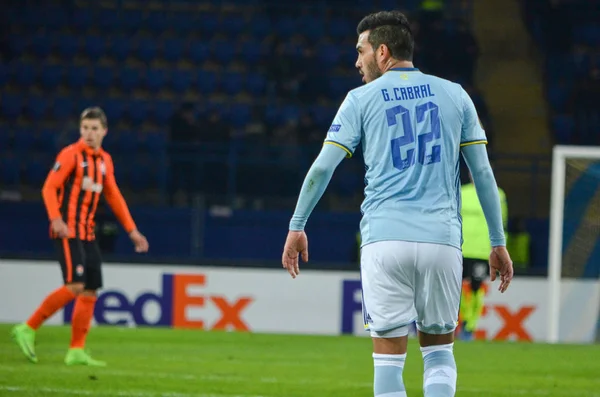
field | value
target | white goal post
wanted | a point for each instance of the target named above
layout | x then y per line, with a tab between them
560	155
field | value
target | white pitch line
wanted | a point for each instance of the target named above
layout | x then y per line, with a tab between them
271	380
78	392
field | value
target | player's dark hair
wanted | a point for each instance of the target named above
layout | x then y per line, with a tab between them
392	29
94	113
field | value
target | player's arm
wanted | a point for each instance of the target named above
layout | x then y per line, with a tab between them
315	183
63	167
117	203
342	139
487	191
473	149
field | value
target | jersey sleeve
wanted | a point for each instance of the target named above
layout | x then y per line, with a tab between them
115	199
472	132
345	130
63	167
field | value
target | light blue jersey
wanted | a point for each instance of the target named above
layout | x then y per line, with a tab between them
411	126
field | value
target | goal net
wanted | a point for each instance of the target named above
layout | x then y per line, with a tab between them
574	246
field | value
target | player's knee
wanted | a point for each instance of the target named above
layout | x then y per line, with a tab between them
75	288
394	341
426	339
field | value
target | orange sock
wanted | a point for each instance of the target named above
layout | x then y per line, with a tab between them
53	302
82	317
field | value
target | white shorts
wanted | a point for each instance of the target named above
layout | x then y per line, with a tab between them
404	282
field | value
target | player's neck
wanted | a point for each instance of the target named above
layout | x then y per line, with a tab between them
393	64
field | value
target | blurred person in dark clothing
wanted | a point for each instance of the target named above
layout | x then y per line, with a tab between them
184	127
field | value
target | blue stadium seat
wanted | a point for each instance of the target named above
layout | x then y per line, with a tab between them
173	49
207	81
24	73
41	45
128	141
233	82
62	108
208	23
156	143
252	51
340	28
67	46
77	76
163	110
36	107
114	108
239	114
94	47
156	79
232	24
48	140
273	114
9	170
557	95
140	177
156	21
223	51
19	45
181	80
199	51
103	77
112	143
563	126
286	26
56	18
138	112
4	136
82	18
290	112
12	106
108	20
51	76
35	170
256	84
146	49
23	141
328	54
183	22
312	26
322	114
33	18
129	78
131	20
260	26
120	48
4	74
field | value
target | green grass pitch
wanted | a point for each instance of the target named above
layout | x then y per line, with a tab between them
147	362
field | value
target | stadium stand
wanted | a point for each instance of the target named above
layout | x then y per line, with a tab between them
569	35
263	81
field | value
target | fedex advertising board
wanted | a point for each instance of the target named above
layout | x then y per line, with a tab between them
268	300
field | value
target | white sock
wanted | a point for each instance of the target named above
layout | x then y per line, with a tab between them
387	380
439	379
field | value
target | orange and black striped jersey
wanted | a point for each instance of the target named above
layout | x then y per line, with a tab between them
73	187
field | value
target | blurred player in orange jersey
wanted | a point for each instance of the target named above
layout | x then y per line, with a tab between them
71	194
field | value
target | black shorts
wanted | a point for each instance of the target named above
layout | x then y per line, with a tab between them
80	262
475	269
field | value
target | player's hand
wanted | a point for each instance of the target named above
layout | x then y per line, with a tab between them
500	262
139	241
60	228
296	244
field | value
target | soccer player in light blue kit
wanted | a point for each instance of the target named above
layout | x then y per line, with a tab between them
412	127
